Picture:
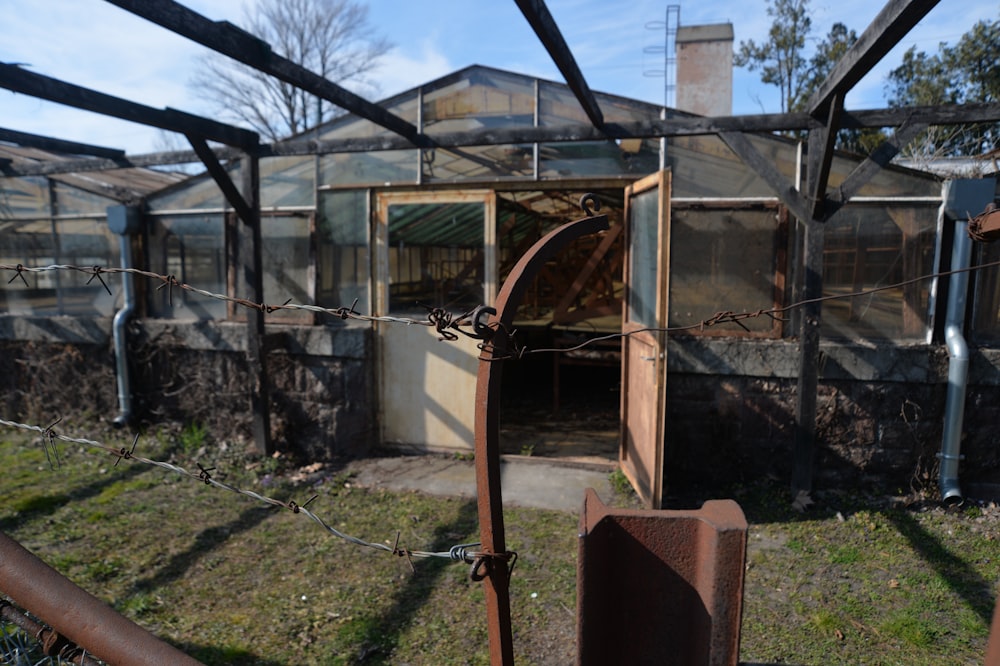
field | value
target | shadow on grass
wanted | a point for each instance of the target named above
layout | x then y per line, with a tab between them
377	637
203	545
961	578
211	655
38	506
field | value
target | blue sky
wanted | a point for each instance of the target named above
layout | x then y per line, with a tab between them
95	44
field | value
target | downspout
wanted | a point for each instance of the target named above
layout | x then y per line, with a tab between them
124	221
963	197
958	366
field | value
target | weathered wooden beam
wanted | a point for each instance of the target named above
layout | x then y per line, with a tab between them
765	168
250	257
222	179
892	23
686	126
820	158
232	41
22	81
804	451
545	27
58	145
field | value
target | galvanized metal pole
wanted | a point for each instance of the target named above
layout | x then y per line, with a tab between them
80	617
494	568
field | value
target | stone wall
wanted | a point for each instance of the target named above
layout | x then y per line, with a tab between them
195	373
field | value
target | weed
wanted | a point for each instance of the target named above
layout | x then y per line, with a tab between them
193	438
620	483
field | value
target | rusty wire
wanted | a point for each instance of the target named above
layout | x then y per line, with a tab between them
467	552
446	323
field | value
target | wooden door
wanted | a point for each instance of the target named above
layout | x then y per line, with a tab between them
644	351
434	250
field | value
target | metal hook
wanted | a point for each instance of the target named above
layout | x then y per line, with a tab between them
591	197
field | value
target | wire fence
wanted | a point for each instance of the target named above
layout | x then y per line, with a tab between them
466	552
472	323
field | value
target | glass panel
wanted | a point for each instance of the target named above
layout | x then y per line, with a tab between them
482	99
723	260
73	201
198	192
643	244
342	250
703	166
479	163
435	256
598	158
285	257
888	182
192	248
986	300
287	181
375	168
26	197
869	246
84	243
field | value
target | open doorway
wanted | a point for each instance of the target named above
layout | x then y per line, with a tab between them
563	405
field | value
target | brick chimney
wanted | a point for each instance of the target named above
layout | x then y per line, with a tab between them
705	69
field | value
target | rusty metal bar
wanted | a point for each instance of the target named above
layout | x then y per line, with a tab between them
660	587
494	568
80	617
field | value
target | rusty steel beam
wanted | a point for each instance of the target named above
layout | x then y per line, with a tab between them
660	587
494	568
75	614
51	642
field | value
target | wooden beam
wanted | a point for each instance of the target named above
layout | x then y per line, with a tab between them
892	23
250	257
804	452
58	145
545	27
693	126
222	179
763	167
820	158
22	81
232	41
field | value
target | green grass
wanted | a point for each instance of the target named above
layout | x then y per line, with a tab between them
232	581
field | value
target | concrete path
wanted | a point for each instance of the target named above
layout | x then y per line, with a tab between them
528	482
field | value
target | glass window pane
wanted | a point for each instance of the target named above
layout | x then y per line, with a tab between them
374	168
342	250
643	244
869	246
198	192
703	166
723	260
192	248
26	197
287	181
85	243
73	201
435	256
285	258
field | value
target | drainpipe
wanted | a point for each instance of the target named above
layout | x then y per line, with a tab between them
958	367
124	221
962	198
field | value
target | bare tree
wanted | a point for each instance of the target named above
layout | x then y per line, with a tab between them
329	37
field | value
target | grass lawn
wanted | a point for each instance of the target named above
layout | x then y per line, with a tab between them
233	581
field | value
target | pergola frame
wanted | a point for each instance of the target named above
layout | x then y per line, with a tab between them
813	204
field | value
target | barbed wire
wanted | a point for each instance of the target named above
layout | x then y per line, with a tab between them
448	324
467	552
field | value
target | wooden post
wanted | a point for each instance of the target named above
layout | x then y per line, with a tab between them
252	288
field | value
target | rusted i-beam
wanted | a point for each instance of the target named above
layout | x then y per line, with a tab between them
83	619
494	568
